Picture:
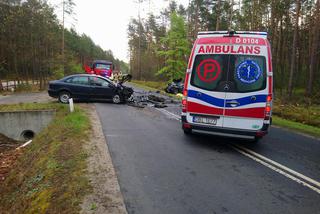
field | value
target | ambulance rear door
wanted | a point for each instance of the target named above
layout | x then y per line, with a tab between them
206	95
247	88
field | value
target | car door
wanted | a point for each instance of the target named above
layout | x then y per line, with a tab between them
79	87
101	88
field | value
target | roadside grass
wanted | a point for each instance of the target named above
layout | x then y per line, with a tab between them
302	113
33	106
49	176
299	115
152	85
303	128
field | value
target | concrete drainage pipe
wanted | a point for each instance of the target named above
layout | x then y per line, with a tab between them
27	134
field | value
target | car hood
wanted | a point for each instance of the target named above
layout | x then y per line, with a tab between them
125	78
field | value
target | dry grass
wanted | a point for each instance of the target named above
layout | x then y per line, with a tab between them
49	176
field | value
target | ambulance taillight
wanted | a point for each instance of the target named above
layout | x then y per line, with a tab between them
184	101
185	94
268	107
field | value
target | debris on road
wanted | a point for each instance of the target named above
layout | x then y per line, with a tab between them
175	87
154	99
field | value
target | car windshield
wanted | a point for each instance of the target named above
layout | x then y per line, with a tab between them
103	66
243	73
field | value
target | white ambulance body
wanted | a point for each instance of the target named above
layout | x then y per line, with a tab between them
228	85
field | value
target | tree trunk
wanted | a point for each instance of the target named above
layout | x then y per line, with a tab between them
218	15
314	45
231	15
294	46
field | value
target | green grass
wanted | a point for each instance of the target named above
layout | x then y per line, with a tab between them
32	106
302	113
152	85
311	130
49	176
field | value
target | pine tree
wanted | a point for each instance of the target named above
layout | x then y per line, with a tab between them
176	49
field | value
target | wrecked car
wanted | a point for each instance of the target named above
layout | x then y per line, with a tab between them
175	87
90	87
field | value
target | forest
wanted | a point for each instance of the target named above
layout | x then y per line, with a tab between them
159	45
35	46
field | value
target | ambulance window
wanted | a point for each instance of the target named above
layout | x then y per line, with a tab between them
208	71
248	72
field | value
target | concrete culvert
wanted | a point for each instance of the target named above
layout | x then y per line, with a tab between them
27	134
22	125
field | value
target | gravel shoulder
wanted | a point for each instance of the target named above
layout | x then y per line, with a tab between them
106	196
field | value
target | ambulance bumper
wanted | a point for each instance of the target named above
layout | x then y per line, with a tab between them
227	132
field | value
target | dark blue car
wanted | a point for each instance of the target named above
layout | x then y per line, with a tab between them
89	87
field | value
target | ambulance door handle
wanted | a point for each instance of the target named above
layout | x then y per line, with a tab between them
233	103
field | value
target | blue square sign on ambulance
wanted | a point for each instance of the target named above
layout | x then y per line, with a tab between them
229	78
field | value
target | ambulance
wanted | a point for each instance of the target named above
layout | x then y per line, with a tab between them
228	87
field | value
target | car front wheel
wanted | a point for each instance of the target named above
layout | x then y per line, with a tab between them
64	97
116	99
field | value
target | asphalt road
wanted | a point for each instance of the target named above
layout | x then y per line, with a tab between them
161	170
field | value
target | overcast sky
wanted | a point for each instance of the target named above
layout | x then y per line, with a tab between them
106	21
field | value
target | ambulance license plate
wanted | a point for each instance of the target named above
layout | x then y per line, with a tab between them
205	120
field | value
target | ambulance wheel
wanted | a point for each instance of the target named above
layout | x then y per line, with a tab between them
256	140
187	131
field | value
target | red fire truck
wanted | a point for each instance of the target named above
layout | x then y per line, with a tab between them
100	67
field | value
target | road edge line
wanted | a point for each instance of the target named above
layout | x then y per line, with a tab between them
276	164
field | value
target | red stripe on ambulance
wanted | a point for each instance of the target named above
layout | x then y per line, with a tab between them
202	109
192	54
248	112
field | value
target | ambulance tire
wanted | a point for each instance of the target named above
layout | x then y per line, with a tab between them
256	140
187	131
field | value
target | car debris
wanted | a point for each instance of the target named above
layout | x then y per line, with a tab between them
175	87
143	99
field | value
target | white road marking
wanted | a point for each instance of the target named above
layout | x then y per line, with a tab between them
275	166
168	113
280	166
282	172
